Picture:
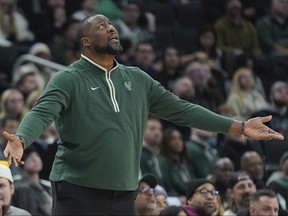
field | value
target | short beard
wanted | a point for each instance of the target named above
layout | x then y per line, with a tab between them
110	50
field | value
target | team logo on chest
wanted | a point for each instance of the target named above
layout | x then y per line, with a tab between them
128	85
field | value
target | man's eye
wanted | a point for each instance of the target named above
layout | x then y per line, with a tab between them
101	26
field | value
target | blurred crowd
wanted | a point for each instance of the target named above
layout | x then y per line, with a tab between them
230	56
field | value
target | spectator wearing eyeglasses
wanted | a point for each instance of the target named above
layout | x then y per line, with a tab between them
201	198
145	202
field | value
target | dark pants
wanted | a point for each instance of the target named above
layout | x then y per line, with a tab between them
70	199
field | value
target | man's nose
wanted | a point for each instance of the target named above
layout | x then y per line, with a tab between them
111	28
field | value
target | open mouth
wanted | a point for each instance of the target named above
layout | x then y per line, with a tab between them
114	38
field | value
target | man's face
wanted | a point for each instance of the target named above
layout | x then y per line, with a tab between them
102	37
266	206
6	191
223	171
145	200
202	201
255	166
241	193
153	133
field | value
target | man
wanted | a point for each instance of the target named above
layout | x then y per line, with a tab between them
273	29
241	187
32	193
201	198
100	109
6	192
145	202
264	202
252	163
150	161
235	34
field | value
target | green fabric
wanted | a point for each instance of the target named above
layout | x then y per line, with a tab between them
155	164
100	145
271	33
231	36
202	157
109	9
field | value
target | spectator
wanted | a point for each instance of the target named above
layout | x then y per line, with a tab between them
264	203
32	193
241	187
206	95
273	29
12	104
221	173
243	97
145	202
150	161
201	153
136	25
28	80
279	184
6	193
181	171
201	198
252	163
235	35
13	25
66	49
144	58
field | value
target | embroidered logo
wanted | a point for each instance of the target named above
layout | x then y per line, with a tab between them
128	85
93	89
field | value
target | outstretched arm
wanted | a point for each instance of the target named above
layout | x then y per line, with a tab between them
255	128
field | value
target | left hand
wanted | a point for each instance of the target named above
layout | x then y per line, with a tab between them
255	129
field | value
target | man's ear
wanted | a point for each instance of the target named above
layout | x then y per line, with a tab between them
12	188
85	41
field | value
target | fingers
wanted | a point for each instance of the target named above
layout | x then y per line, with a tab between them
9	136
266	118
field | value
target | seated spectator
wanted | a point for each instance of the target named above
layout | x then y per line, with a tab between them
151	161
13	25
144	58
201	198
65	50
221	173
208	94
6	192
235	34
136	25
279	183
252	163
181	170
32	193
241	187
243	97
11	104
264	202
200	151
145	202
273	29
28	80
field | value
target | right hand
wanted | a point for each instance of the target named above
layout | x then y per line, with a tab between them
14	149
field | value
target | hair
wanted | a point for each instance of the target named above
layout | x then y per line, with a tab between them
172	210
255	197
83	26
204	29
165	148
